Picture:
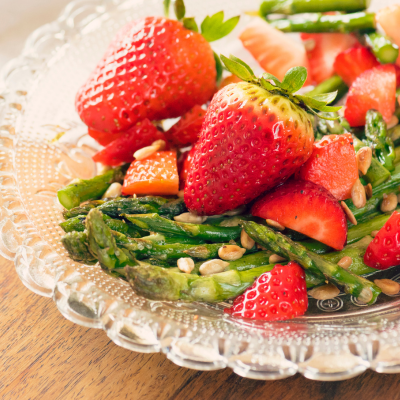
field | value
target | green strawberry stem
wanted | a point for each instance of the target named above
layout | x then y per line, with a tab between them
383	48
88	189
317	23
156	223
76	244
289	7
359	287
332	84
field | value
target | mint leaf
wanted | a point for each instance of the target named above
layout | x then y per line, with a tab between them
238	60
315	104
326	97
267	85
213	28
294	79
237	69
269	77
179	9
218	66
190	23
166	7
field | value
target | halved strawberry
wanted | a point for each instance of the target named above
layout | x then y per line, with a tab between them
373	89
121	150
384	251
103	138
322	49
307	208
397	71
275	51
184	166
187	130
332	165
350	64
275	296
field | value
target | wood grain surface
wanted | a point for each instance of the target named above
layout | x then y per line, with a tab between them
44	356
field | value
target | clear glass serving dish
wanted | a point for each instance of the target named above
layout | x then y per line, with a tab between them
337	339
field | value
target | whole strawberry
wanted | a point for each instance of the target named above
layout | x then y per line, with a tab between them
155	68
254	136
276	295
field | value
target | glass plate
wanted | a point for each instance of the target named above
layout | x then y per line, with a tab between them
337	339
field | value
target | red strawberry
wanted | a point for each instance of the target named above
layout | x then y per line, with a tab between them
306	208
275	296
350	64
155	68
103	138
373	89
121	150
185	166
384	251
332	165
322	49
187	130
397	70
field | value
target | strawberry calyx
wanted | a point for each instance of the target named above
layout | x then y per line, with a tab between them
292	82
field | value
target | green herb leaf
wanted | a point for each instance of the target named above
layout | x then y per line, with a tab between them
190	23
219	67
267	85
179	9
269	77
166	7
237	69
326	97
213	28
238	60
294	79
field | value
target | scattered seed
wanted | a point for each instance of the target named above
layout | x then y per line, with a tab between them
275	224
213	267
324	292
374	233
387	286
246	241
160	144
358	194
145	152
185	265
181	194
115	190
231	252
368	190
348	213
389	202
364	158
190	218
365	295
274	258
345	262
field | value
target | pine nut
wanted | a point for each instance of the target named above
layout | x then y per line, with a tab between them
181	194
374	233
274	258
324	292
358	194
231	252
348	213
115	190
368	190
213	267
160	144
275	224
364	158
185	265
387	286
259	247
393	122
345	262
365	295
144	152
246	241
389	202
190	218
236	211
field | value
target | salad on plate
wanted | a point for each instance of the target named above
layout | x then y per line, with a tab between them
216	184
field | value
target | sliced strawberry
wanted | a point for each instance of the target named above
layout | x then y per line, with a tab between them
373	89
185	166
275	296
155	175
322	49
103	138
332	165
306	208
384	251
121	150
350	64
397	71
275	51
187	130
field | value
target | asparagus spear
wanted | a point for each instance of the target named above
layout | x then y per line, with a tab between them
76	245
316	247
155	223
157	283
114	208
333	127
315	23
88	189
170	239
171	209
394	134
359	287
383	48
377	137
330	85
82	210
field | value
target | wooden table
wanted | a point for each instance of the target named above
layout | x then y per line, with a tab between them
44	356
